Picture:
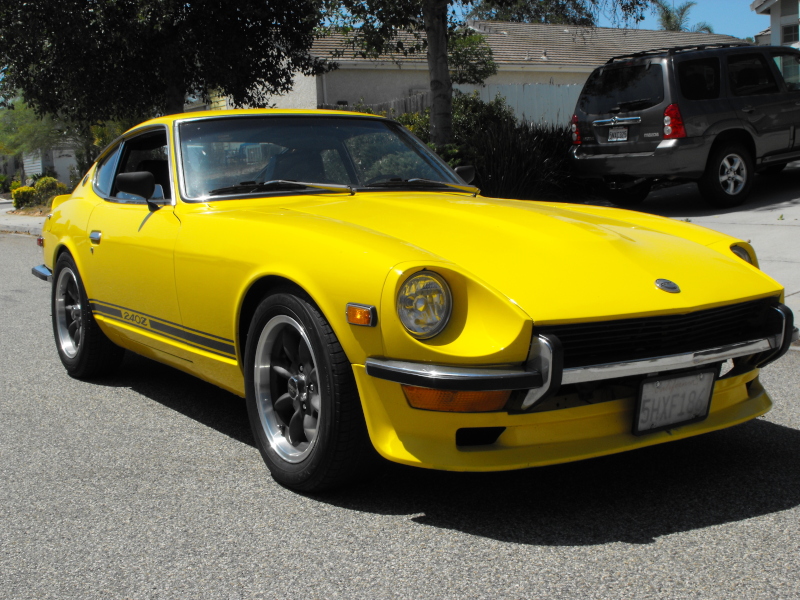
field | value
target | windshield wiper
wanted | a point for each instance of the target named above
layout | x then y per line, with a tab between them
249	187
639	102
418	181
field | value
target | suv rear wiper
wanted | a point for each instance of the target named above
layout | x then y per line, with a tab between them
278	185
418	181
632	104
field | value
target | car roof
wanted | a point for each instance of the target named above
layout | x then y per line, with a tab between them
205	114
655	52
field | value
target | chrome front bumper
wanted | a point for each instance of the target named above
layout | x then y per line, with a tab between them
543	374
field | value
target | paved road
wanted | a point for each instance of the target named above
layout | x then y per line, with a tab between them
147	485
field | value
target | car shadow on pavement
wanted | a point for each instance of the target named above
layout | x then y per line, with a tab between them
635	497
770	192
205	403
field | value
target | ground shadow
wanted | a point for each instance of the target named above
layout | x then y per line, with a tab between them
185	394
635	497
770	192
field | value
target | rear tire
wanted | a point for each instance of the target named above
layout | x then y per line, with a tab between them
302	400
728	177
83	348
629	196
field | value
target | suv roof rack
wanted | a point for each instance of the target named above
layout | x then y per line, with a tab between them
672	50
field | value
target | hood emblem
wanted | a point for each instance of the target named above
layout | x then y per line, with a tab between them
668	286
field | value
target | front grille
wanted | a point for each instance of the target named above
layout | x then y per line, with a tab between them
635	339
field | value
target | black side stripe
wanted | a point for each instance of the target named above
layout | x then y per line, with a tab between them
194	338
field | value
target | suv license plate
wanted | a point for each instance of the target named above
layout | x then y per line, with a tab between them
618	134
668	401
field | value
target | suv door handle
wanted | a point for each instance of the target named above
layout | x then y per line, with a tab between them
747	109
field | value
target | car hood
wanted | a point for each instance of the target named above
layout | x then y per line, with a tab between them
561	262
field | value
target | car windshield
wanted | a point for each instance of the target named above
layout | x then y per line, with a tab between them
237	156
614	89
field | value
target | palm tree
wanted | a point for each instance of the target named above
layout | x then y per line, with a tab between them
672	18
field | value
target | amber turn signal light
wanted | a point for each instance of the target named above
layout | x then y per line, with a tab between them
452	401
361	314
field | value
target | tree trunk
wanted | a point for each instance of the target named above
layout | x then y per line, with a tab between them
434	13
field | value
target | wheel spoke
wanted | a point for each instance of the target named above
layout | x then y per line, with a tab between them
284	403
316	401
310	427
296	433
280	368
289	347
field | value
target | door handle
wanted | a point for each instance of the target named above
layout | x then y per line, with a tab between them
747	109
95	236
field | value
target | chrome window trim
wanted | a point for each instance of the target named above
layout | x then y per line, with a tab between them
278	114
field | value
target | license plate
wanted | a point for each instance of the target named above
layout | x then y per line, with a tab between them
672	400
618	134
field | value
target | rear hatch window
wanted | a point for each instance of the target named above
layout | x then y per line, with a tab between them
615	89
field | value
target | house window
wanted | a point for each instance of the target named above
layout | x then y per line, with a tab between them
790	34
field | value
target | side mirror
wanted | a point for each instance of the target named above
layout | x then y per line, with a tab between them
467	173
138	183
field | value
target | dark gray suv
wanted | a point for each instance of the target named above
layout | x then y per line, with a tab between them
711	114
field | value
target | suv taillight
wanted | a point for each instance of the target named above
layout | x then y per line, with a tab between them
673	123
576	132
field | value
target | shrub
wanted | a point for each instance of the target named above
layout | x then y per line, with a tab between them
512	159
4	183
23	196
47	188
15	184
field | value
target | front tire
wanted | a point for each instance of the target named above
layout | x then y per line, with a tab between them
728	177
302	400
83	348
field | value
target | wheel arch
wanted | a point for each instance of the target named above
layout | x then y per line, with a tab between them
733	136
260	289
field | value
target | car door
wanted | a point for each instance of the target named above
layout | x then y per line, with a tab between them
760	101
131	267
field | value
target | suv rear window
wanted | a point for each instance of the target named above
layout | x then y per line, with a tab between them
622	88
699	78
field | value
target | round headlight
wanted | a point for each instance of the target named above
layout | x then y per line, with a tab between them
424	303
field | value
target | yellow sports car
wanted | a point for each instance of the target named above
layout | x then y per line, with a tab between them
363	297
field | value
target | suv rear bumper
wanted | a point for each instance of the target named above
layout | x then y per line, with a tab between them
677	159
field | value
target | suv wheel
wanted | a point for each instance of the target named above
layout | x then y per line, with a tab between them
628	196
728	177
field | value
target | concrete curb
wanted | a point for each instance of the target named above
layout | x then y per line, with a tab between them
19	223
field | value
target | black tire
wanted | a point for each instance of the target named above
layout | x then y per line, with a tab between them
728	177
628	196
83	348
302	399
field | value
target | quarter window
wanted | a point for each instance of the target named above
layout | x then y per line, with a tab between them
750	75
104	176
699	79
788	64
